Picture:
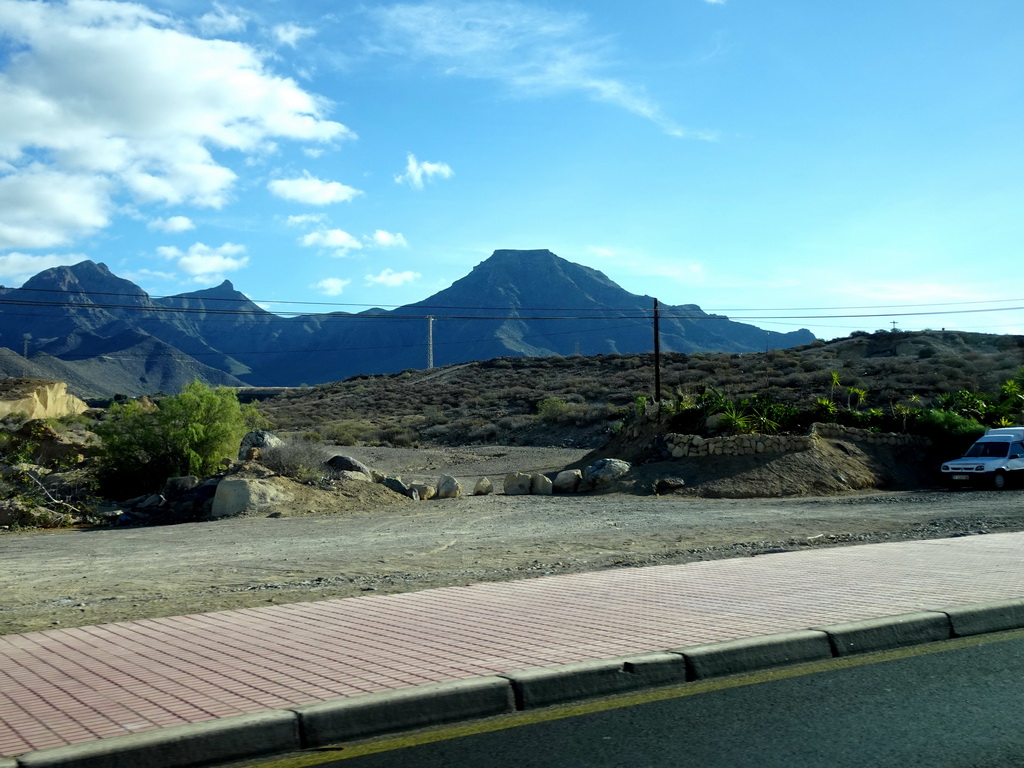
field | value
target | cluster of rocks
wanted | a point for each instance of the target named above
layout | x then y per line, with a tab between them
600	473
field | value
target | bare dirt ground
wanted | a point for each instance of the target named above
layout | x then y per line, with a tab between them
361	540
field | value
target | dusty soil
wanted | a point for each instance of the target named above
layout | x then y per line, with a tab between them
342	544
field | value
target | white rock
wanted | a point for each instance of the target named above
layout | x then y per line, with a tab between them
448	487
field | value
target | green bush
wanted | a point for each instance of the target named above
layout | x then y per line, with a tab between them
552	409
938	424
187	434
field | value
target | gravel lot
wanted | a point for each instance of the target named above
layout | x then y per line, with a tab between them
76	577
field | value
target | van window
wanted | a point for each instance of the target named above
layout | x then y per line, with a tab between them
988	451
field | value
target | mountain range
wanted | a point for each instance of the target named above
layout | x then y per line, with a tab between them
104	335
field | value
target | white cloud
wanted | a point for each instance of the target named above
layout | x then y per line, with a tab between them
41	208
172	224
331	286
305	218
291	34
312	191
141	275
715	2
19	267
337	239
533	50
221	21
389	239
111	97
417	173
204	262
392	279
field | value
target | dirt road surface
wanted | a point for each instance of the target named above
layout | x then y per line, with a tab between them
77	577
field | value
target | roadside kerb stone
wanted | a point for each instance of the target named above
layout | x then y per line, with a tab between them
752	653
544	686
663	668
986	617
888	632
404	709
232	738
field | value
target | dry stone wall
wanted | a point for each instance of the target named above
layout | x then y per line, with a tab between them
679	446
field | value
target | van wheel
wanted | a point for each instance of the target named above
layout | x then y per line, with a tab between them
999	481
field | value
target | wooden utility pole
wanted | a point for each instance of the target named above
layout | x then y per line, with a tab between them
657	354
430	342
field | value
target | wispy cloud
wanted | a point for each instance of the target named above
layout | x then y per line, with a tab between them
330	286
392	279
206	263
417	173
533	50
312	191
338	241
172	224
291	34
389	239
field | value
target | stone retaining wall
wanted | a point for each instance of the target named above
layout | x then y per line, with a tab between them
681	446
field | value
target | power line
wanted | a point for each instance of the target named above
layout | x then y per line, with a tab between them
713	311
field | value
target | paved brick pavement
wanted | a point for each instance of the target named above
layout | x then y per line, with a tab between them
67	686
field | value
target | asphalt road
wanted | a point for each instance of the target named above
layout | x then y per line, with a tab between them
956	704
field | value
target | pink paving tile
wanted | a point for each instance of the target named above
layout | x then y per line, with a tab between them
65	686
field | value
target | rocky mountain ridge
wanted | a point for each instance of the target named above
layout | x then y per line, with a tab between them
103	334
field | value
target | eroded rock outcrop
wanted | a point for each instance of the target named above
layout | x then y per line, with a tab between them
38	399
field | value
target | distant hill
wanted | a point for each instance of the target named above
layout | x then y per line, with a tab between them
107	335
503	400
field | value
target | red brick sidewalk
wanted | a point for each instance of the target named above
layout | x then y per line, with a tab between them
67	686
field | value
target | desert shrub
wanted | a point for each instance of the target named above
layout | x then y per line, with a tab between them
300	459
553	409
187	434
15	418
347	432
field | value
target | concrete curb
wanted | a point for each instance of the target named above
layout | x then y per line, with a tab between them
888	632
754	653
233	738
986	617
374	714
544	686
404	709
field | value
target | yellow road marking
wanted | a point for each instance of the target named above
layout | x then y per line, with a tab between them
561	712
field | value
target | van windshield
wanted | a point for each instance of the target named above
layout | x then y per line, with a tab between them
988	450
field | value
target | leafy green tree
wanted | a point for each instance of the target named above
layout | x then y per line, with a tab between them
186	434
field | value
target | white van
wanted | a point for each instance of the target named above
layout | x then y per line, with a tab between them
996	460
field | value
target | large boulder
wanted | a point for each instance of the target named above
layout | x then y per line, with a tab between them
247	496
348	464
540	485
517	484
483	487
604	471
448	487
423	491
567	481
258	438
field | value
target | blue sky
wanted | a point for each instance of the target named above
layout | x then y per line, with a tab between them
780	162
